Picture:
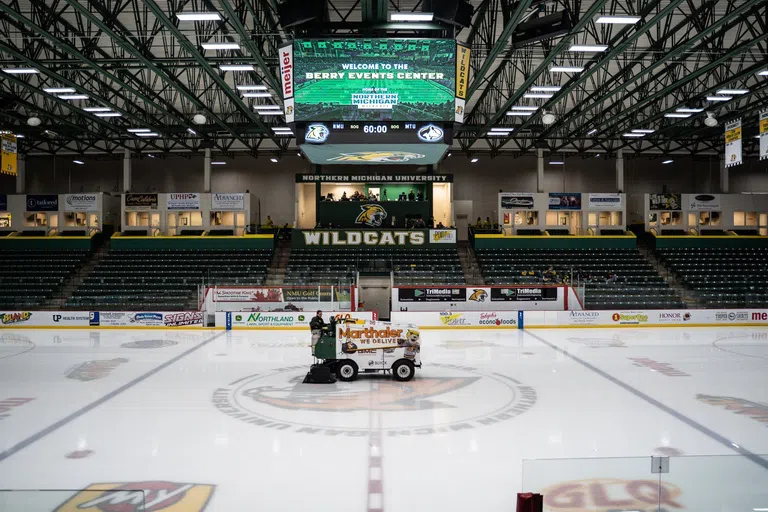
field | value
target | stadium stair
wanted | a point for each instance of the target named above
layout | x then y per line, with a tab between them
279	264
469	265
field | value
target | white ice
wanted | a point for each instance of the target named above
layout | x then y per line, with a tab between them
576	414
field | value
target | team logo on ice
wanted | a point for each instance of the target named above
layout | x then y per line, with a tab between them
154	496
373	215
278	400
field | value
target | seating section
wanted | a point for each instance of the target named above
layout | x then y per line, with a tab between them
636	284
28	278
721	277
165	280
338	266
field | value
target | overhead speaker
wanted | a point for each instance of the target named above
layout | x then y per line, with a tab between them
455	12
297	12
541	28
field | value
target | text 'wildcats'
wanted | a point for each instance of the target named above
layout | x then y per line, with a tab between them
363	238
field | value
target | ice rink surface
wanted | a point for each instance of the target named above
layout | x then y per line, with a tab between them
215	420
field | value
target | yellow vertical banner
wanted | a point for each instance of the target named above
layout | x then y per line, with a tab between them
9	154
462	71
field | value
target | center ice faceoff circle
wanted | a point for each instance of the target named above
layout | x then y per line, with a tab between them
449	398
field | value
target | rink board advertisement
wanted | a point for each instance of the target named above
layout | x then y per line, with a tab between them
274	299
475	298
99	319
461	319
280	320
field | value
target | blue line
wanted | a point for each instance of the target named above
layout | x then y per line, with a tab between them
109	396
760	461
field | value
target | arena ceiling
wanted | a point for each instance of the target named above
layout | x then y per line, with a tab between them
137	59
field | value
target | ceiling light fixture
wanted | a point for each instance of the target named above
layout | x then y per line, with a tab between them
665	162
548	118
58	90
273	160
198	16
475	160
587	48
682	116
545	88
191	131
21	71
633	135
267	107
79	162
556	162
502	129
719	98
519	113
34	120
218	162
73	97
690	110
19	136
411	16
251	87
536	95
566	69
236	67
97	109
711	120
592	131
199	118
108	114
147	134
763	73
521	107
643	131
618	20
733	91
257	95
269	112
139	130
221	46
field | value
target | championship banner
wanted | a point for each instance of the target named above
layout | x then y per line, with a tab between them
462	71
9	164
763	135
733	143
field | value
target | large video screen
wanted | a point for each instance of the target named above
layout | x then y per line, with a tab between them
374	79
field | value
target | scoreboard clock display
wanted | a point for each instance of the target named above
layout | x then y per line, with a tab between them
358	132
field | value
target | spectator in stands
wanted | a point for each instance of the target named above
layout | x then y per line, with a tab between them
319	226
431	224
479	223
344	196
402	197
440	225
612	277
361	306
411	196
371	196
420	196
268	223
487	224
330	197
384	196
420	224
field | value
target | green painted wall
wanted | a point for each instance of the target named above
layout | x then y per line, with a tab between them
203	242
548	242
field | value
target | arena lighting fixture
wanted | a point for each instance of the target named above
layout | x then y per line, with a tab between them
502	129
221	46
97	109
556	162
267	107
411	16
257	95
191	131
592	131
536	95
251	87
690	110
21	71
682	116
524	108
711	120
587	48
519	113
34	121
236	67
73	97
19	136
198	16
273	160
79	162
566	69
199	118
147	134
139	130
618	20
643	131
545	88
733	91
269	112
665	162
58	90
109	114
548	118
633	135
719	98
475	160
218	162
763	73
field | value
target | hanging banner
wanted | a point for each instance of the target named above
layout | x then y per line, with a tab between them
763	135
733	143
9	165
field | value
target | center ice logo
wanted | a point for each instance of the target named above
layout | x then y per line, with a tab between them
153	496
280	401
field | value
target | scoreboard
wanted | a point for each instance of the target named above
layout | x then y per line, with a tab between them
359	132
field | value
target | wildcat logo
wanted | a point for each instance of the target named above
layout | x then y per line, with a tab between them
275	400
479	295
289	110
431	133
377	156
317	133
153	496
459	109
373	215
